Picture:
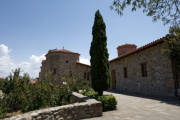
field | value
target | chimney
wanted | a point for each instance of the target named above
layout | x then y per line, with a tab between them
126	48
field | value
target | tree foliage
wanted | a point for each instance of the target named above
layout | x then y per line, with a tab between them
21	95
2	81
166	10
99	56
174	45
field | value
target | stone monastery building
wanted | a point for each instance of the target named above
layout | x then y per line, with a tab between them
145	70
64	63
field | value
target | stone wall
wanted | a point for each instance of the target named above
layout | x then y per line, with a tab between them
83	108
64	64
159	80
83	72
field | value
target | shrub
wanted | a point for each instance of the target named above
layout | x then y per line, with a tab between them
2	82
109	102
80	85
2	109
91	94
74	83
20	95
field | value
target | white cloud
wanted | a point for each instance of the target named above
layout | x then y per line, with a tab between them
4	50
32	66
6	64
84	60
37	59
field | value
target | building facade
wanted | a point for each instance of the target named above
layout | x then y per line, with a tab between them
146	70
63	63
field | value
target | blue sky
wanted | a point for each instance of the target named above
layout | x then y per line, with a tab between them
29	28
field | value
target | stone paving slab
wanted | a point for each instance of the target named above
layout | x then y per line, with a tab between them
141	108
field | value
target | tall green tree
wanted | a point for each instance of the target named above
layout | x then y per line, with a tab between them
99	56
174	45
174	52
166	10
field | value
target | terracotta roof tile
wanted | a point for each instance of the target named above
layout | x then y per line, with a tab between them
154	43
61	51
132	45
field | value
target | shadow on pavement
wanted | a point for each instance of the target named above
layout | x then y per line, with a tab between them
163	99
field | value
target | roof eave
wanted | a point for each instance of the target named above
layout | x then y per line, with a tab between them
154	43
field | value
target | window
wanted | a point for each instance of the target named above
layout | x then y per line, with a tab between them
88	76
144	69
54	71
85	75
125	72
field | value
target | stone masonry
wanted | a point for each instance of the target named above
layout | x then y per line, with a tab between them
146	70
83	108
63	63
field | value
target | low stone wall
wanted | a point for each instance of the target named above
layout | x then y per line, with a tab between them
84	107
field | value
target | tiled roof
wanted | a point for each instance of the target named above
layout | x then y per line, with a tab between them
154	43
131	45
82	64
61	51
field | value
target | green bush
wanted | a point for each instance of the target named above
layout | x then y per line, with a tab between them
80	85
75	84
21	95
2	109
91	94
109	102
2	82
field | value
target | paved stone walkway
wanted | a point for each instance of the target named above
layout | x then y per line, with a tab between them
141	108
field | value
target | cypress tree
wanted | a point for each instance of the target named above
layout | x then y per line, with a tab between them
100	76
